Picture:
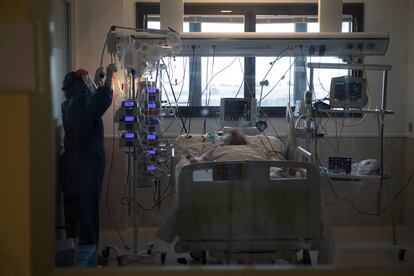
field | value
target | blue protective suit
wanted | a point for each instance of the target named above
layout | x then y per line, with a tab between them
82	164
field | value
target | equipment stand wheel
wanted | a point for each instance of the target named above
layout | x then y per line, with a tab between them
119	260
401	254
163	257
106	252
204	257
306	257
196	255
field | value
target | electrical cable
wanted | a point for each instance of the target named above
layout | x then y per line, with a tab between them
158	204
278	57
191	85
249	90
168	127
277	153
192	98
106	42
261	111
272	63
168	68
320	82
166	188
273	128
261	94
208	97
369	105
208	62
290	82
182	84
175	99
103	51
243	79
353	205
390	201
277	83
304	68
108	185
154	193
157	72
169	103
128	174
215	75
171	70
212	71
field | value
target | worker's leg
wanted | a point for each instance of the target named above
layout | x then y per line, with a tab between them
73	214
79	225
89	234
89	226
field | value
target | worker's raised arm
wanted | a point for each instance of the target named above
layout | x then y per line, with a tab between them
102	99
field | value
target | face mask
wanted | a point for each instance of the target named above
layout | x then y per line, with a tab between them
81	88
89	82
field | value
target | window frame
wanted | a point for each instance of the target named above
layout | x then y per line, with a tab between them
249	11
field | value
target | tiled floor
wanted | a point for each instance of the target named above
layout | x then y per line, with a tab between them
356	246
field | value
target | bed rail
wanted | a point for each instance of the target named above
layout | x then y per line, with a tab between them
249	205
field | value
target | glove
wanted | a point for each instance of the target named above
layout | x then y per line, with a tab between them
99	75
110	69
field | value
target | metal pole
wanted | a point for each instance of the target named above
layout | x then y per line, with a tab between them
384	90
172	171
134	203
311	79
130	169
382	118
384	108
308	124
381	169
134	183
133	84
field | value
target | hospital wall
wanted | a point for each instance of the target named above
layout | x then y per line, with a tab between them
380	16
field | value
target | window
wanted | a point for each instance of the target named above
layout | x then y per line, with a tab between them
212	78
209	78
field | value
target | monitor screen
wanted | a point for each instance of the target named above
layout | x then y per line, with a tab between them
346	90
238	111
151	90
130	135
129	104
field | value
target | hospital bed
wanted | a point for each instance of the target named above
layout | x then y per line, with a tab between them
248	210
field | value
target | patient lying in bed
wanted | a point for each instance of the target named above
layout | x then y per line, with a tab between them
235	147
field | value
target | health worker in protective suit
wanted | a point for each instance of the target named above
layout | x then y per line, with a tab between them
82	164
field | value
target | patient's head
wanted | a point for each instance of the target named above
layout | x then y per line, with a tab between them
235	138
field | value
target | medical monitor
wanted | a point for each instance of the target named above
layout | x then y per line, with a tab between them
348	92
238	112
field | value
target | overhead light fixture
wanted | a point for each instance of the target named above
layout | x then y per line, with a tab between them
226	11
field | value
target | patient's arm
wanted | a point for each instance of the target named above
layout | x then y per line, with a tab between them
208	155
196	159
